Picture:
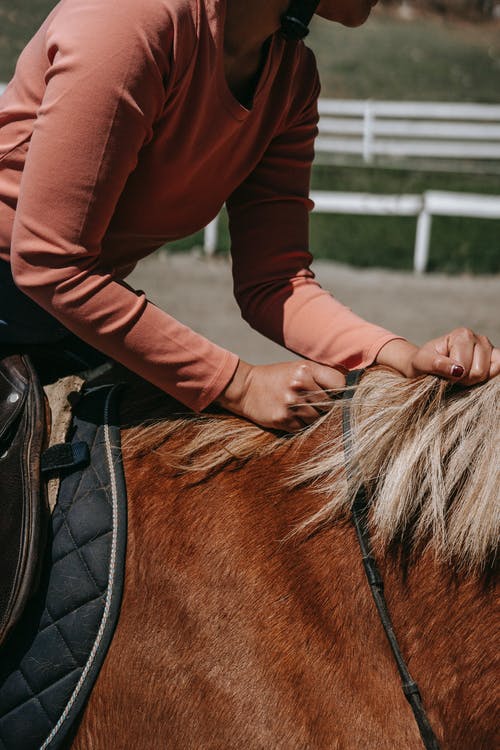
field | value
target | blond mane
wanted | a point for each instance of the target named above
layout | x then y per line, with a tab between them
428	451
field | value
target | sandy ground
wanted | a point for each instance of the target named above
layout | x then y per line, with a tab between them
198	291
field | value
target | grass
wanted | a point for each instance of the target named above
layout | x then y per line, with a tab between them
425	59
19	19
387	58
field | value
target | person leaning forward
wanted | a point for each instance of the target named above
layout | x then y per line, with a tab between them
129	124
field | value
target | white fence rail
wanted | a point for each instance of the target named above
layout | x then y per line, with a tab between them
408	129
424	207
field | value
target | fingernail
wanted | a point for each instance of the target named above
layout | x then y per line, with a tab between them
457	371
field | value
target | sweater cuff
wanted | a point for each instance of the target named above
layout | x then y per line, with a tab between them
374	349
216	385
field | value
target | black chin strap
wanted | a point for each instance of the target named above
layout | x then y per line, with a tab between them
295	22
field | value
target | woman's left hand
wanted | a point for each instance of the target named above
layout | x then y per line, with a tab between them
461	355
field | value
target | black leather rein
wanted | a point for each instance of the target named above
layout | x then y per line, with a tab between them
359	514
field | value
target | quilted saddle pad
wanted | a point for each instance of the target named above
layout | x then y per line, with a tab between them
51	661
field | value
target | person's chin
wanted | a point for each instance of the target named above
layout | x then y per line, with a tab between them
359	19
354	19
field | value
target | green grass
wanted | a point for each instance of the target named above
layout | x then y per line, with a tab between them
19	19
387	58
427	60
458	245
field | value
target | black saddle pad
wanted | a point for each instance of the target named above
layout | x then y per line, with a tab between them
51	661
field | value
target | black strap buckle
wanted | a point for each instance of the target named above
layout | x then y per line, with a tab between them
64	457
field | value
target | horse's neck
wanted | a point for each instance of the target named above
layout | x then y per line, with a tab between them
278	639
447	624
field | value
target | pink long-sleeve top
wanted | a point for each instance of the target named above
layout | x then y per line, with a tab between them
118	132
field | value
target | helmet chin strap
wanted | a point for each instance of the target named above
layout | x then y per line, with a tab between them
295	22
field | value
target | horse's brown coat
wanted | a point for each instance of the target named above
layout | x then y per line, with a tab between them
231	638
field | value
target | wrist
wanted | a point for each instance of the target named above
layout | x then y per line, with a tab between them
399	355
233	393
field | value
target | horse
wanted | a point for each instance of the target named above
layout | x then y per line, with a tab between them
246	619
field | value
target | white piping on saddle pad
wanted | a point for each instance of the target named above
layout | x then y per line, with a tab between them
111	577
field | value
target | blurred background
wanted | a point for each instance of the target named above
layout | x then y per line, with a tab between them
427	51
435	51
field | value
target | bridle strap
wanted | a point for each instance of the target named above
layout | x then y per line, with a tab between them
295	22
359	515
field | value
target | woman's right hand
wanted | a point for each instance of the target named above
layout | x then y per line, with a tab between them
286	396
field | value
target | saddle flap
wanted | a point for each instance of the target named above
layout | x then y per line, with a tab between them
22	500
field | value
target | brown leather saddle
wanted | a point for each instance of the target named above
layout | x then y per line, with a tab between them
24	513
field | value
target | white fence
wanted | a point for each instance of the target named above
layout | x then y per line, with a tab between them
409	129
424	207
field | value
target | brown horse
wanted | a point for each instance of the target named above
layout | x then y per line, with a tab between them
247	621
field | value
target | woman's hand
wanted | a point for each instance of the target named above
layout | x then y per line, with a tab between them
286	396
461	355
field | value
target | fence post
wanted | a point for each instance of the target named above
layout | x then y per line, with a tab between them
368	119
422	239
211	236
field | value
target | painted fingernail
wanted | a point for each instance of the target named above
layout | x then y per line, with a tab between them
457	371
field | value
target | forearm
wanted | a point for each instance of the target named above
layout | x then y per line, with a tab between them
124	325
307	320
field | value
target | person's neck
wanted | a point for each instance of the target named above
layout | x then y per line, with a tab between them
249	24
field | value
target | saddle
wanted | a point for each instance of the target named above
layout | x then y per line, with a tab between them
23	502
25	477
53	655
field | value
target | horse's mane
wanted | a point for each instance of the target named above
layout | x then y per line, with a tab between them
428	451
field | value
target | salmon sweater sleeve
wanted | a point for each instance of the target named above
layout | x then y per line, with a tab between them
105	87
275	288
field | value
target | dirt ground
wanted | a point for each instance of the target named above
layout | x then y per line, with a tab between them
198	291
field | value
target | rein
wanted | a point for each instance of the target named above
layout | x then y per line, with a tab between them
359	514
